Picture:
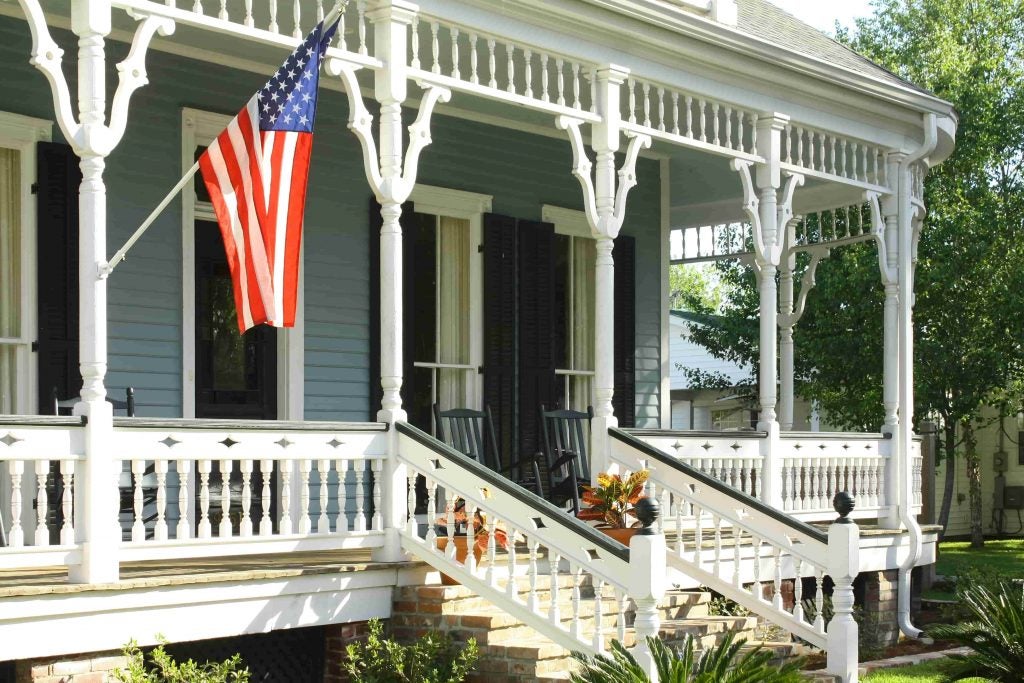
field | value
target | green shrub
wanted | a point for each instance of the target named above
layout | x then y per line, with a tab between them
163	668
968	578
431	659
994	631
726	663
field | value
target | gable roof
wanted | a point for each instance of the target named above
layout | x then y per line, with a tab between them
764	20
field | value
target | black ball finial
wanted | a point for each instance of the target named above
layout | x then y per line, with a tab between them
843	503
647	511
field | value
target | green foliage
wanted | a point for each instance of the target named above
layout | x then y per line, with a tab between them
995	633
869	631
970	577
694	288
163	669
431	659
726	663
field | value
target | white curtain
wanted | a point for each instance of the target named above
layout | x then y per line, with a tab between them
453	311
10	274
583	258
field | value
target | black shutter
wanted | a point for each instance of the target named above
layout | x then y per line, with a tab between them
624	401
58	178
419	308
376	222
500	323
536	289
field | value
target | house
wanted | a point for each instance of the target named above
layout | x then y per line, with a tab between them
491	200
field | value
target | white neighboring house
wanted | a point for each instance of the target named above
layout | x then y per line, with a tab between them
713	409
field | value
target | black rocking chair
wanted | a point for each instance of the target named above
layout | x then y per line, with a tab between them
471	432
565	434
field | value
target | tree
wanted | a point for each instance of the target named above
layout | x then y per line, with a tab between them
969	312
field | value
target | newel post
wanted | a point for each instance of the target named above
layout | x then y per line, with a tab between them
843	567
647	568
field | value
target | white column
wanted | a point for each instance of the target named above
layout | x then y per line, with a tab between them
768	181
606	143
96	491
891	348
390	20
647	557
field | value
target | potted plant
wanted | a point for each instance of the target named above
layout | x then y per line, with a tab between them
612	503
479	533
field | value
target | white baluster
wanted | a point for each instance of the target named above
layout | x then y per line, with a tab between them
492	65
454	33
675	113
819	600
698	534
842	158
544	94
376	467
511	590
223	14
248	21
360	469
777	572
184	528
631	89
576	86
67	531
160	529
532	601
431	537
553	612
225	499
831	479
598	643
296	20
716	521
647	104
414	35
715	125
42	503
474	76
138	468
412	526
470	563
739	133
510	56
205	531
273	28
492	549
593	90
323	472
689	117
341	31
266	522
821	151
799	147
305	470
728	127
341	491
528	72
361	13
798	590
246	467
449	509
575	625
787	478
831	142
737	538
703	120
197	6
319	10
755	588
560	81
661	109
435	47
620	618
753	133
285	526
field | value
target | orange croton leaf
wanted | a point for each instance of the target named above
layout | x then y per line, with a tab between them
590	514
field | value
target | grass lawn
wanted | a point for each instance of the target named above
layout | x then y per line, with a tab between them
927	672
1005	557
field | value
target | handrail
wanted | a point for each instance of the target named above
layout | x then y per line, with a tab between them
748	501
247	425
558	515
692	433
42	420
836	436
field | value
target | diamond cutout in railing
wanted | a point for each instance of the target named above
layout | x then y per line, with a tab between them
170	442
822	446
707	446
284	442
593	553
538	523
436	464
846	446
334	443
867	447
678	444
229	442
797	446
735	446
9	439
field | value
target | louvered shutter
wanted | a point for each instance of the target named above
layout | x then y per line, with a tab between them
536	288
500	322
624	401
376	222
57	181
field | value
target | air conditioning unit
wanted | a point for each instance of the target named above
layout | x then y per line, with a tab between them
1013	498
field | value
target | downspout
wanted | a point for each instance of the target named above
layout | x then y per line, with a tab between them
906	392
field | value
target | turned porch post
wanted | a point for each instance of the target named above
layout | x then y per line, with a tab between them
891	344
96	494
786	346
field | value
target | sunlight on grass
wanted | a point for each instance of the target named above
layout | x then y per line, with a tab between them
927	672
1005	556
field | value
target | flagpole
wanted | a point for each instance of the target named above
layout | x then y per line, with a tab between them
107	269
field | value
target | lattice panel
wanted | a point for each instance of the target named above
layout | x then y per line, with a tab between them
287	656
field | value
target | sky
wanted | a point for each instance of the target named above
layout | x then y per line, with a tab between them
822	14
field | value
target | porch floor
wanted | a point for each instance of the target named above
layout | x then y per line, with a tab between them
158	573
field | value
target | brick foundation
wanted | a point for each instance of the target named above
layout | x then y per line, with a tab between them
336	638
88	668
877	599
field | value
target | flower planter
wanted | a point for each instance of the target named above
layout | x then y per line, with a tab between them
461	553
620	535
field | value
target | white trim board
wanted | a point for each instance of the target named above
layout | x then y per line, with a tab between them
198	128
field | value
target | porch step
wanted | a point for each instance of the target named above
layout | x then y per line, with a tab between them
513	652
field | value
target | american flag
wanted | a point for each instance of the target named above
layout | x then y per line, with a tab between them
256	172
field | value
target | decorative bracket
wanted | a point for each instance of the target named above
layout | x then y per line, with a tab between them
47	56
890	276
785	209
360	122
807	283
582	167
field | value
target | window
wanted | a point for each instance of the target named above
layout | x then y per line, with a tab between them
575	255
18	138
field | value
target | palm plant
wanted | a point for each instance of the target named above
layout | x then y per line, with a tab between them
726	663
995	633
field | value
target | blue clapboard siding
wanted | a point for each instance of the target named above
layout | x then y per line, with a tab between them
522	171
